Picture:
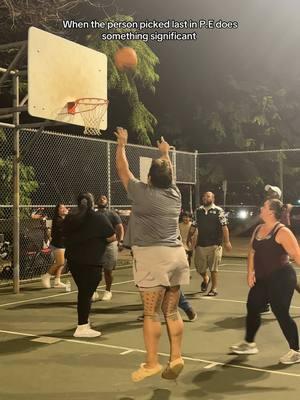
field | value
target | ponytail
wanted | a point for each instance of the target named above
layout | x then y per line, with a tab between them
85	202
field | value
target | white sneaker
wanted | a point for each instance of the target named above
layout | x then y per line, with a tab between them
59	284
46	280
107	296
291	357
244	347
86	331
95	296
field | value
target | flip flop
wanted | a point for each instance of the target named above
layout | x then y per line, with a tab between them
173	369
212	293
143	372
204	286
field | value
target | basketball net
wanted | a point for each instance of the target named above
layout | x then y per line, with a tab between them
91	111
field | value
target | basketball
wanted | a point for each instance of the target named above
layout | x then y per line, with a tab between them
125	58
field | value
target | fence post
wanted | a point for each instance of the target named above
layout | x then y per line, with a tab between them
173	159
197	180
281	156
108	176
16	188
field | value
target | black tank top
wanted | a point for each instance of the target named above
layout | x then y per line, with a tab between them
269	255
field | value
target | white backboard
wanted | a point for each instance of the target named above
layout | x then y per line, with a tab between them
145	164
61	71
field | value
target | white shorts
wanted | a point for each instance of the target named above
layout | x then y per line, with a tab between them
160	266
207	258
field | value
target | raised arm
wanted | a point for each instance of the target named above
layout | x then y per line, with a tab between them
121	160
164	149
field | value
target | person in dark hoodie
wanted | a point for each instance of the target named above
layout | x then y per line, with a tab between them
86	236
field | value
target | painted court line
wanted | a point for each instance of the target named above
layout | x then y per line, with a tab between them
46	340
75	291
212	365
123	291
230	301
127	350
56	295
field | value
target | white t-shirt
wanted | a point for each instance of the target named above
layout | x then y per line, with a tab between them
184	230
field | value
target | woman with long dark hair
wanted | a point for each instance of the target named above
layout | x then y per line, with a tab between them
86	235
58	247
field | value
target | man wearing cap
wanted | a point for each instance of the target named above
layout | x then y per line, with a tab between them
273	192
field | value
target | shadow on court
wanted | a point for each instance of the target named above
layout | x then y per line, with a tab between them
100	368
214	384
19	345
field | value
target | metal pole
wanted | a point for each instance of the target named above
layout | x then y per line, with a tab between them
224	188
281	174
16	189
5	125
191	198
12	45
20	73
173	160
39	124
108	176
197	180
12	109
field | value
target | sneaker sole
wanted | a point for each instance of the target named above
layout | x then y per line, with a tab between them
289	362
86	336
254	351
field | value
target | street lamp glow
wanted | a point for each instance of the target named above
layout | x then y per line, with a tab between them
242	214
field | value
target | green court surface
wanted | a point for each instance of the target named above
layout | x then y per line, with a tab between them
41	360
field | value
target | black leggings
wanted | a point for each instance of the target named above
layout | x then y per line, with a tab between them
278	289
87	278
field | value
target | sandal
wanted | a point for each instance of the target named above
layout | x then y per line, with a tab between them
143	372
212	293
204	286
173	369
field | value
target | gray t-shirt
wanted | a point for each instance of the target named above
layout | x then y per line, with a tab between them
154	217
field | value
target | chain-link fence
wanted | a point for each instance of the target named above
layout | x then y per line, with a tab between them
238	180
55	168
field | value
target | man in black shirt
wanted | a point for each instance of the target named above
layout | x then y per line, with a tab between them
110	256
211	224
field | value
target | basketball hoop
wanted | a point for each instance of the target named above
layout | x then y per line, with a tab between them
91	110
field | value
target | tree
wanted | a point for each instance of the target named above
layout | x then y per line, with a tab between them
17	16
141	121
28	184
244	116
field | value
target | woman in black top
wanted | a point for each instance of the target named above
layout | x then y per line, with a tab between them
58	247
272	278
86	236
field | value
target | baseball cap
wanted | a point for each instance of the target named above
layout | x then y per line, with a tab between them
273	189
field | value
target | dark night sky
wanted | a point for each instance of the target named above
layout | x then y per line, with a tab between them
265	46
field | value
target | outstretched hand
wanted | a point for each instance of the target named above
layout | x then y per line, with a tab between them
163	146
122	135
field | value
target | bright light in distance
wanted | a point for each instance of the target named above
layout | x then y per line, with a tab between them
298	201
242	214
